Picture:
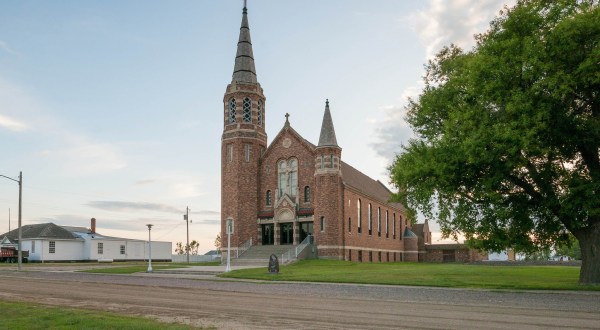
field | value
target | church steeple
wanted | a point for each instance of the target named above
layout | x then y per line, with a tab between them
327	137
244	70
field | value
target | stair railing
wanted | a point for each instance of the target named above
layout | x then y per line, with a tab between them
293	253
243	248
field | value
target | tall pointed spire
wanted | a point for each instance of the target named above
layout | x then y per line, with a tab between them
244	70
327	137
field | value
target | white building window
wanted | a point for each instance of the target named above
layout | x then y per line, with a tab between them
247	110
231	111
32	246
52	247
122	249
100	248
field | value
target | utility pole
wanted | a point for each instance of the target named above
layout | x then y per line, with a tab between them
186	217
20	182
20	254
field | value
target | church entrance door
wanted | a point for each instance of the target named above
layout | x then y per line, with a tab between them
268	234
306	228
286	233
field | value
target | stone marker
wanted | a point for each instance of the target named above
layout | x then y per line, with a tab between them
273	264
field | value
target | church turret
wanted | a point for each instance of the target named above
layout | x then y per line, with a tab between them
243	141
329	191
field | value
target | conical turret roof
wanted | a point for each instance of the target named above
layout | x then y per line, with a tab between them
327	137
244	70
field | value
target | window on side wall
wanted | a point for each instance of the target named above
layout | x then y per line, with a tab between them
122	249
52	247
100	248
322	223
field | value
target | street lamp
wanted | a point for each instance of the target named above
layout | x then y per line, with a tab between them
20	182
149	249
229	232
186	217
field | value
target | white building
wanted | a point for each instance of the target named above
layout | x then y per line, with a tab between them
48	242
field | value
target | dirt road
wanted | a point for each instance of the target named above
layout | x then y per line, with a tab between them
247	305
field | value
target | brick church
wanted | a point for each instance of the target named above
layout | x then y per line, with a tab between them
282	192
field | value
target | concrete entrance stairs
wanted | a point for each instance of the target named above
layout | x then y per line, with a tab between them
258	255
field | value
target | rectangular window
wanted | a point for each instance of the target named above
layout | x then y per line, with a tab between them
349	225
331	162
100	248
370	256
122	249
230	151
359	255
32	246
247	152
379	221
322	162
387	224
52	247
394	237
322	223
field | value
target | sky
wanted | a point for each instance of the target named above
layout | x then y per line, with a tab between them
113	109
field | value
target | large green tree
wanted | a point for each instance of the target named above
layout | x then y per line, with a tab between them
508	134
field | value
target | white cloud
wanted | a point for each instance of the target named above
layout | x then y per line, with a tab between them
12	124
455	21
442	23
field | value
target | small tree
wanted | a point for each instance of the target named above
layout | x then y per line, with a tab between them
218	243
179	249
194	245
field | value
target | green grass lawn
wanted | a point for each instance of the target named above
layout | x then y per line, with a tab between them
19	315
424	274
142	267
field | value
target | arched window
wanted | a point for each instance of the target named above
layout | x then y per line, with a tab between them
306	194
293	168
359	217
370	220
379	221
269	198
282	168
247	110
259	114
231	111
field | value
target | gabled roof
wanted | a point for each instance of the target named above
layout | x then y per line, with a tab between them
42	230
361	182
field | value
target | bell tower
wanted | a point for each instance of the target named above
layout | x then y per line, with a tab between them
243	141
328	225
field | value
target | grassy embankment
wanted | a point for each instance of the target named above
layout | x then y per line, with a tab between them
19	315
424	274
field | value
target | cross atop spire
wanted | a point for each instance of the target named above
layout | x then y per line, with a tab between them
244	70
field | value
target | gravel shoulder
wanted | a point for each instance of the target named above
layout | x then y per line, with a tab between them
204	301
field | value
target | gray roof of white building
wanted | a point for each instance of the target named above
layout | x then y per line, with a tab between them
42	230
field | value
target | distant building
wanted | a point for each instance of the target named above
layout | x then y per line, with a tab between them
48	242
